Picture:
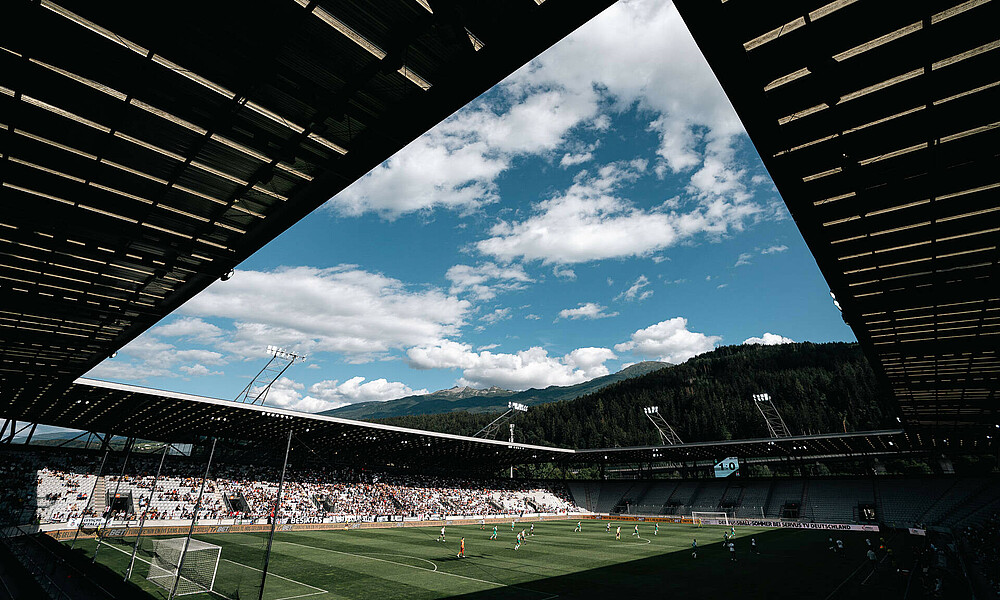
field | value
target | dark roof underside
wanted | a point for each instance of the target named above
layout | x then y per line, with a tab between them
878	122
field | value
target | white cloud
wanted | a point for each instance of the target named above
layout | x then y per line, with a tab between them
569	160
569	87
774	249
588	310
353	390
198	370
635	291
330	394
432	171
532	317
591	221
147	357
696	123
499	314
483	281
455	164
564	272
743	259
769	339
188	327
669	341
487	347
342	309
525	369
721	285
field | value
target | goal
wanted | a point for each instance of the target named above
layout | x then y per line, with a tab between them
197	573
710	518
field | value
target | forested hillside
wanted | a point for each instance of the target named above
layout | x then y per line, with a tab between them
819	388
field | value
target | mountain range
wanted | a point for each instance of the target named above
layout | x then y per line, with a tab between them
494	399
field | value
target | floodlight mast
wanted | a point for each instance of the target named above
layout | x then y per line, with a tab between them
256	391
512	442
491	430
668	437
775	424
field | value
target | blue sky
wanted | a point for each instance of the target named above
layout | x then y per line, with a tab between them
599	207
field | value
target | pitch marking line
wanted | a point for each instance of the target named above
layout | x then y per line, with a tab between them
846	579
405	556
415	567
316	593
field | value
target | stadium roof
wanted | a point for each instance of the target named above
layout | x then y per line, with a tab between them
821	445
127	410
878	123
145	153
133	411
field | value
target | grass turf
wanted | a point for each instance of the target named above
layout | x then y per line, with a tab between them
386	564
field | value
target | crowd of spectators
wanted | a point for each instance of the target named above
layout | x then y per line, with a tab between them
56	488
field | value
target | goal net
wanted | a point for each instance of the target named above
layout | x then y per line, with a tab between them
197	573
710	518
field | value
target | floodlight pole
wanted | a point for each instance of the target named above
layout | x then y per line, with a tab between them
268	375
494	427
274	517
194	519
129	444
512	441
142	521
90	498
775	424
668	437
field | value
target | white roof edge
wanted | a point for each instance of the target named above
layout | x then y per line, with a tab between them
136	389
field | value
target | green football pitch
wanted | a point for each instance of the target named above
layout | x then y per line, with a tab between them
556	562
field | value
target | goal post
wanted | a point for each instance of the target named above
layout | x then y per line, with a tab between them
710	518
201	563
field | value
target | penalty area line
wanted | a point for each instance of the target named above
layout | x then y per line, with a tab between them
272	574
312	587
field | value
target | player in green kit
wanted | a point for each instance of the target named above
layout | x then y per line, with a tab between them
656	528
694	548
494	536
578	529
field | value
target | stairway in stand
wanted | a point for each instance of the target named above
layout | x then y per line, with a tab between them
100	499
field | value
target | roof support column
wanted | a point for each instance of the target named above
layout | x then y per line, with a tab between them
108	511
145	511
274	517
30	434
194	519
90	497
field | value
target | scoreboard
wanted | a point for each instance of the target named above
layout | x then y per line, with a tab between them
727	467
